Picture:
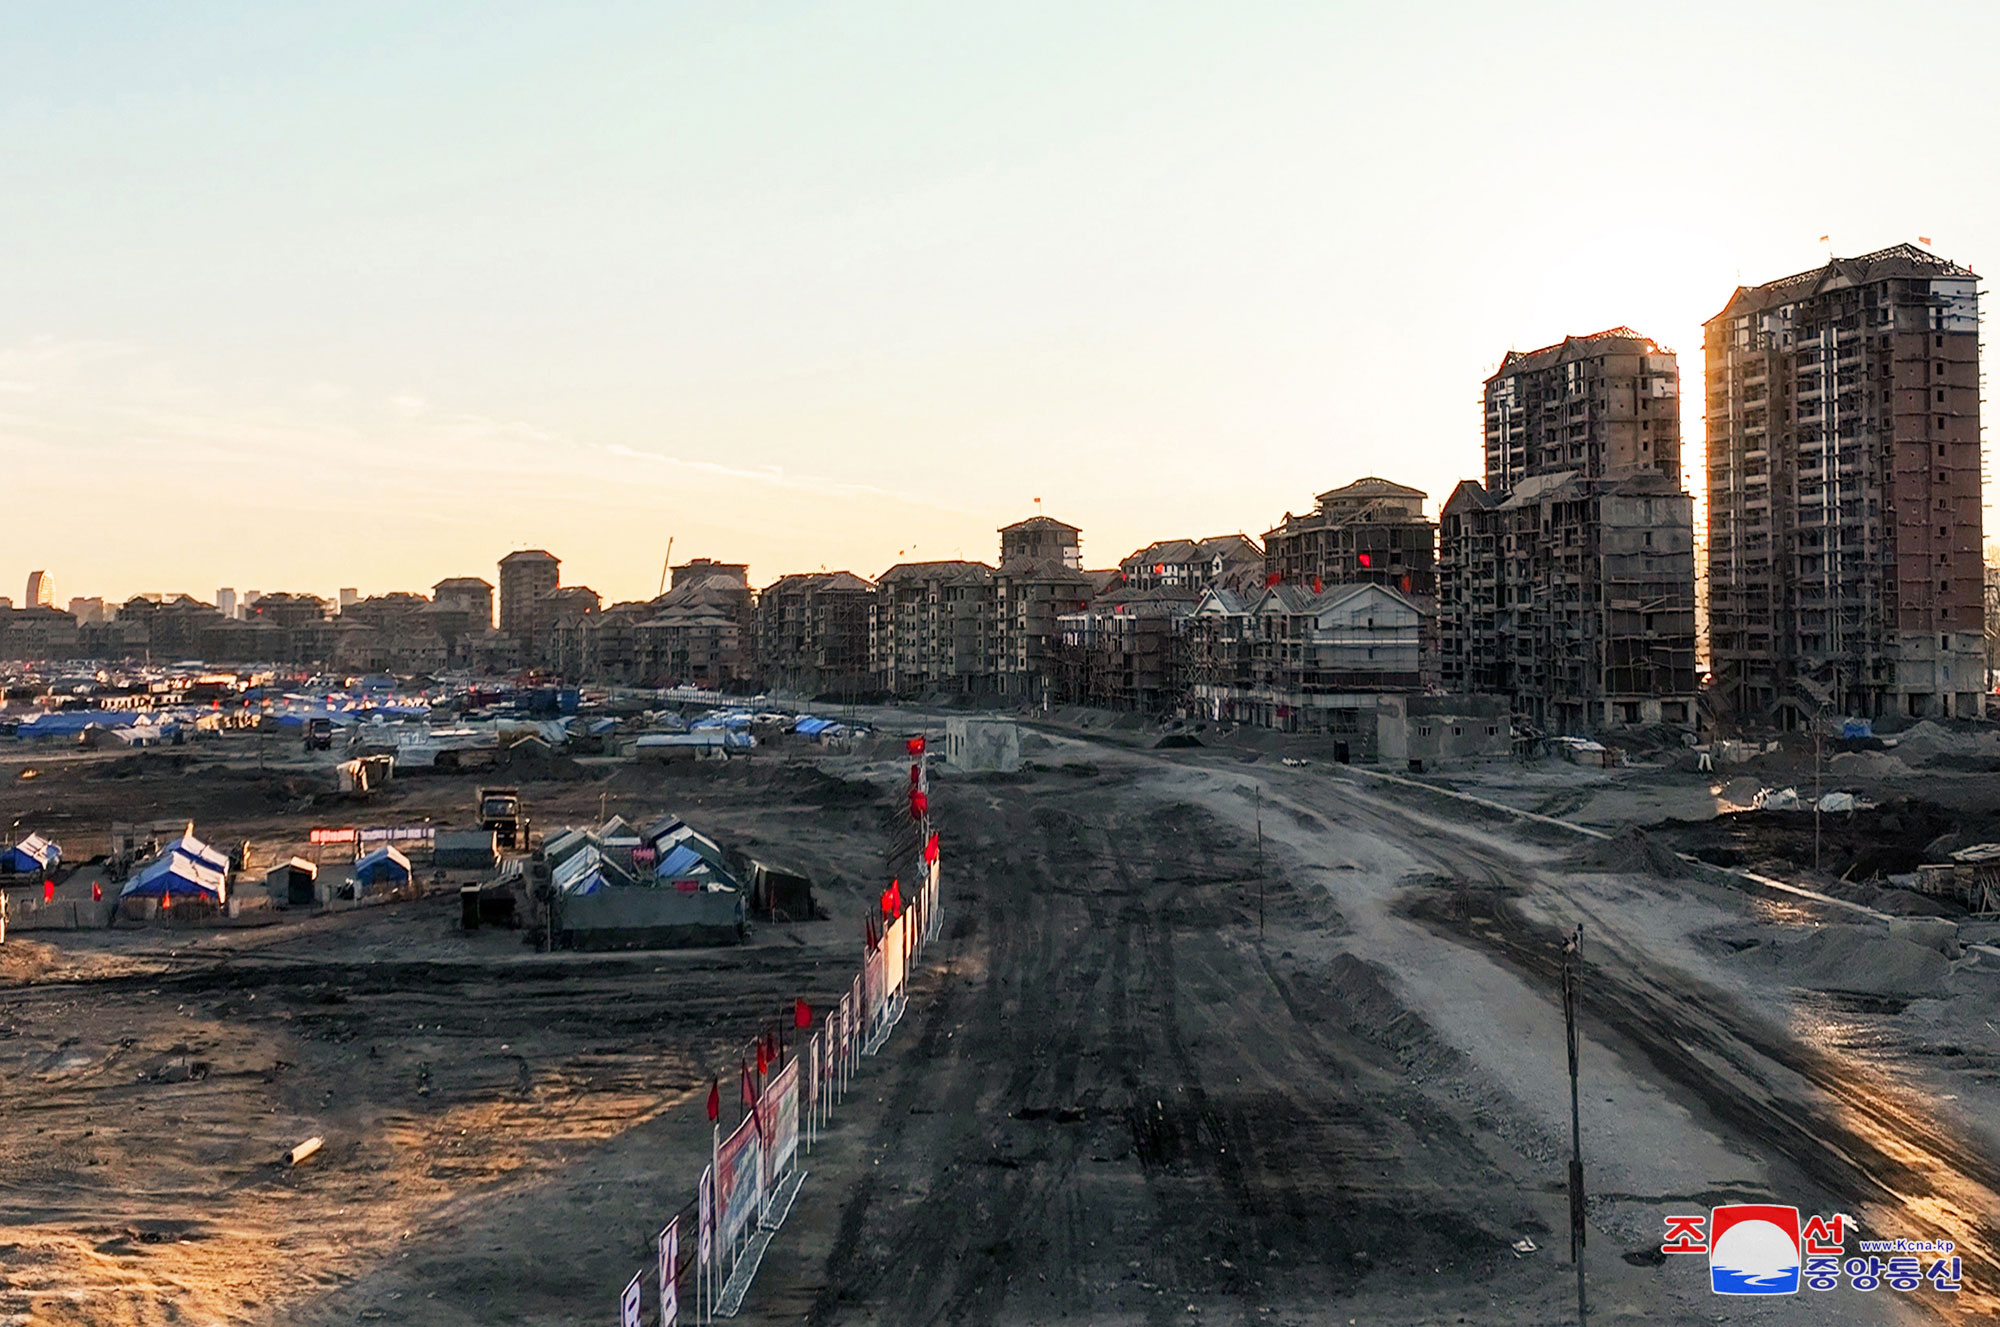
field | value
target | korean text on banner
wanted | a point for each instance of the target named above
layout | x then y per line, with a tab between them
670	1260
739	1165
628	1305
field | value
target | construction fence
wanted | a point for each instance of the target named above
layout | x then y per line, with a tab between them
754	1173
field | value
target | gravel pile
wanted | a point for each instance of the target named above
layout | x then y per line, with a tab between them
1861	960
1631	851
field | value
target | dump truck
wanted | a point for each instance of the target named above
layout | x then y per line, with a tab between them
500	811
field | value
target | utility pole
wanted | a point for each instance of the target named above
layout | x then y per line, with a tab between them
1572	956
1819	754
1259	798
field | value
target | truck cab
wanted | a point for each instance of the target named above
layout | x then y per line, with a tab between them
500	811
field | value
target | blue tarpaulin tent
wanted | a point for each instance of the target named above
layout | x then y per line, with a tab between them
188	869
30	856
384	868
68	723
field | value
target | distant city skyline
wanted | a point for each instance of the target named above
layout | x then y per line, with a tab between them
369	297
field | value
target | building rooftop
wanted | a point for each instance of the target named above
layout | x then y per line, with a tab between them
528	555
1573	348
1362	490
1040	523
956	572
822	582
1898	260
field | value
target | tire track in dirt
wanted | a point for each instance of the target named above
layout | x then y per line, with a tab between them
1114	1107
1871	1139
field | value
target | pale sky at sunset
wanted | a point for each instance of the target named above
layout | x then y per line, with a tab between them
295	297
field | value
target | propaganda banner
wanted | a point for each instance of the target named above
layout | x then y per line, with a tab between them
704	1246
784	1118
628	1304
874	986
739	1179
670	1259
893	943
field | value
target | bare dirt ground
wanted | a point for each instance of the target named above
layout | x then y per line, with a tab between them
1141	1080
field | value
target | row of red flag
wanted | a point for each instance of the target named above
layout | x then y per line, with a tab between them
770	1057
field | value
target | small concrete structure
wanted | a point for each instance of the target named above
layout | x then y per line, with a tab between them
982	746
1423	732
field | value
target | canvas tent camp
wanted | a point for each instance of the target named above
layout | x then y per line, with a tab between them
33	855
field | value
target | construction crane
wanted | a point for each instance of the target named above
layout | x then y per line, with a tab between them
665	563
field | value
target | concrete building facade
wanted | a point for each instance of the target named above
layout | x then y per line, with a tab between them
1844	563
1566	580
1372	532
527	578
812	633
932	628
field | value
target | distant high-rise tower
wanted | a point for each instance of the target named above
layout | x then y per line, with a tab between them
225	601
525	578
349	596
41	590
1844	570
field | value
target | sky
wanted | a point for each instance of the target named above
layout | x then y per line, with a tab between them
299	297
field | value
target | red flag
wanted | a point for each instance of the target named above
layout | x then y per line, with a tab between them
96	892
714	1100
920	803
1272	579
166	898
916	746
763	1058
802	1014
931	848
895	898
49	890
749	1088
1317	587
916	773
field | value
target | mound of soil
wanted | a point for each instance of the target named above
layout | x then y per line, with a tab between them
1858	960
1631	851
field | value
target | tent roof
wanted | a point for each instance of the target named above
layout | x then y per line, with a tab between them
174	874
385	853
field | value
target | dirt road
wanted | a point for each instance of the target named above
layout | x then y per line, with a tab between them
1122	1102
1142	1080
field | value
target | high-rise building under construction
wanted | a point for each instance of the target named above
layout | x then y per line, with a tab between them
1844	492
1566	580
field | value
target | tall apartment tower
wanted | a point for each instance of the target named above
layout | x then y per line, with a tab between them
1844	568
527	577
1608	403
1566	580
